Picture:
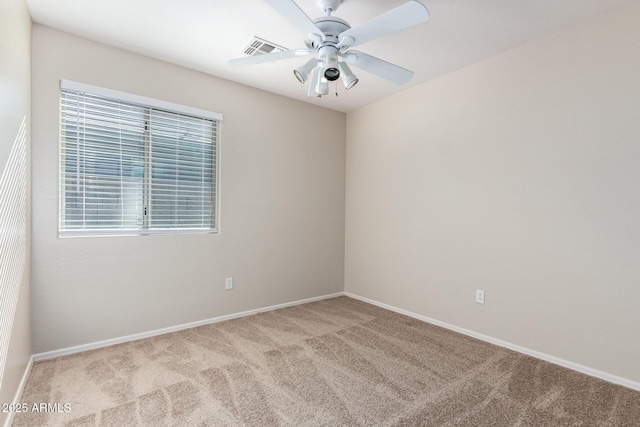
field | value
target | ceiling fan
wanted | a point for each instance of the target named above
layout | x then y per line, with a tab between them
331	39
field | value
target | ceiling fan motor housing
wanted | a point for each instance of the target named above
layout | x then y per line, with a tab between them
331	28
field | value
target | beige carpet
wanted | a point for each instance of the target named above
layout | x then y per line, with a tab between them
337	362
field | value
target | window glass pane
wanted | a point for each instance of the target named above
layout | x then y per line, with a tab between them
182	173
103	163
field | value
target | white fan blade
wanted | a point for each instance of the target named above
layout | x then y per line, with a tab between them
377	66
292	12
405	16
269	57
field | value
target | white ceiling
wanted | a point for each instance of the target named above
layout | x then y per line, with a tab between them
205	34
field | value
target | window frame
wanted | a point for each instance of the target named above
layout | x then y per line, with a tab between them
147	103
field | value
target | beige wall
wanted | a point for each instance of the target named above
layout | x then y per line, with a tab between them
518	175
15	104
282	207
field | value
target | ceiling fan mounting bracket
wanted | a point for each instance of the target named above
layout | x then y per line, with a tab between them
329	6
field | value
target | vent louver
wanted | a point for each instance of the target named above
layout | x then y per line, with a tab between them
259	46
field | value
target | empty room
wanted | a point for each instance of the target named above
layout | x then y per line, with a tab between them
319	212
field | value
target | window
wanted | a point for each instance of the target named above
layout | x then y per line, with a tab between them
134	165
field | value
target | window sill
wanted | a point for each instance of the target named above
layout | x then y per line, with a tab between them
126	233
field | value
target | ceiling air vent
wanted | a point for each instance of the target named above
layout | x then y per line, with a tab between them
259	46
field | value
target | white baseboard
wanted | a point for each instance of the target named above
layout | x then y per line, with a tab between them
99	344
538	355
17	398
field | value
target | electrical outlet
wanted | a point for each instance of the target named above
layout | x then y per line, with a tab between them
479	296
228	283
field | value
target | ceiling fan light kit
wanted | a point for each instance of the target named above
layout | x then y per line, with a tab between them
323	87
302	72
331	38
348	78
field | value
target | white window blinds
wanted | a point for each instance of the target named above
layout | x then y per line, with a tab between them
132	168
